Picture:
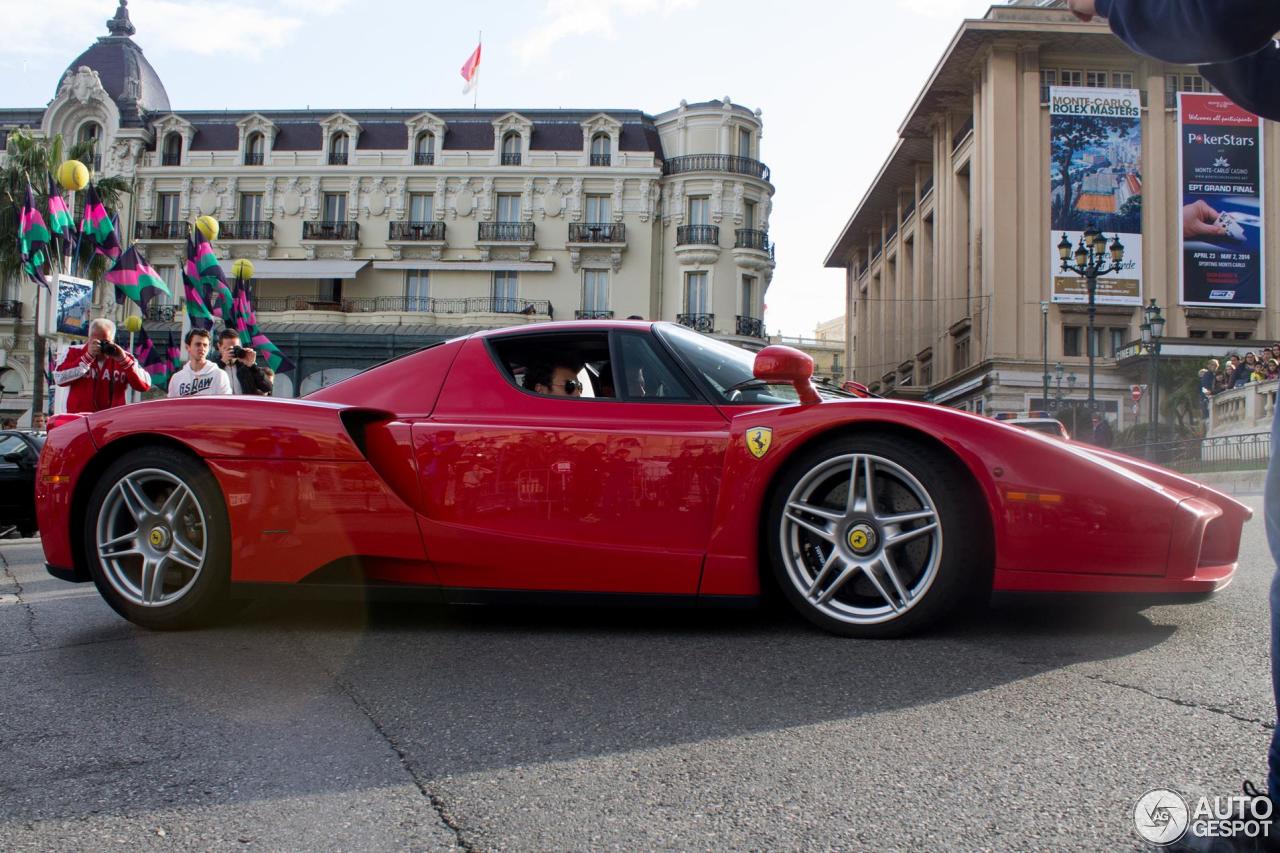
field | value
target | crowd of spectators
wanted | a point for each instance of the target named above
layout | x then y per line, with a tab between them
1237	371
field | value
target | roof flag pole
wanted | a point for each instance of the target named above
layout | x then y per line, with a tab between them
471	71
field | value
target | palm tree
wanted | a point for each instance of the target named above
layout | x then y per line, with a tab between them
30	159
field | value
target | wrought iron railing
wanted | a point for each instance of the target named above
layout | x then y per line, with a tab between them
698	322
160	230
752	327
698	235
1202	455
601	159
592	315
507	232
251	159
325	230
424	158
751	238
247	229
170	159
597	232
162	313
415	231
337	158
11	309
716	163
412	304
511	159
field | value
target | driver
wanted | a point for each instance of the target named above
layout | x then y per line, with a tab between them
556	379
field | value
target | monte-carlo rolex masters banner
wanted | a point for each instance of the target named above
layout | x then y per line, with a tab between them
1220	208
1095	178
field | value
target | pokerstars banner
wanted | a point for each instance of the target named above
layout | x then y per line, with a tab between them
1095	178
1221	227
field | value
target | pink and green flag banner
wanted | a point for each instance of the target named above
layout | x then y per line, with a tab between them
195	291
97	226
33	240
135	279
245	321
61	223
153	360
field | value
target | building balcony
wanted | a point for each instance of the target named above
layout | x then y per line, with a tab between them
415	232
601	159
751	327
437	307
597	232
752	249
715	163
698	235
511	159
160	231
254	159
246	229
337	158
751	238
592	315
506	232
424	158
698	322
170	159
327	230
162	313
11	310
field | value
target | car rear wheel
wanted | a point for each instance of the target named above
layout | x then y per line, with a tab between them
877	536
157	539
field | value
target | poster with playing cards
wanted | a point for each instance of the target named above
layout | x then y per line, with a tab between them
1220	218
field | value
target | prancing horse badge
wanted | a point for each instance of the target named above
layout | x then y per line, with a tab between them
759	440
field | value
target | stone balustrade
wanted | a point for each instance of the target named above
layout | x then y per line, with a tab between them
1243	410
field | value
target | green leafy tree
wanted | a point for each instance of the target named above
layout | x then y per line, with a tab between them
31	158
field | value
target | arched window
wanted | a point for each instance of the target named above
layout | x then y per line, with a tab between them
338	150
172	155
511	149
91	132
424	149
254	148
600	152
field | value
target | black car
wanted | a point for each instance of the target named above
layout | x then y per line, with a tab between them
19	451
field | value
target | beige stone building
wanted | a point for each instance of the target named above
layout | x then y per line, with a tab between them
947	256
826	347
374	231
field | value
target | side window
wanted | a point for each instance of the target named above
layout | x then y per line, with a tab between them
575	364
646	375
12	444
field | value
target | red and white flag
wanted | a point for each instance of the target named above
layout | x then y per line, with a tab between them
471	71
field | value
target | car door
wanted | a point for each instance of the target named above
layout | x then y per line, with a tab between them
17	480
600	494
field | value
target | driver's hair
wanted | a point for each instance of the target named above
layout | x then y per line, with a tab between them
540	373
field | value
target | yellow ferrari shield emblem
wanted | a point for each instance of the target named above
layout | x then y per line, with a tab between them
759	440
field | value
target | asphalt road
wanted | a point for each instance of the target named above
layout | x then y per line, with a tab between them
322	726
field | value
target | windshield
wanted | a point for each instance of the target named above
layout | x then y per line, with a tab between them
727	371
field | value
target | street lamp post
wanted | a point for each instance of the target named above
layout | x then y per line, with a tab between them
1090	261
1152	332
1044	345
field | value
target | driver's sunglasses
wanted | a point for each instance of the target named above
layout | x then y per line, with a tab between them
572	386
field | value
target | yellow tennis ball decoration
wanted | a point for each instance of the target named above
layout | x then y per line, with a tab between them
133	323
242	268
73	175
208	227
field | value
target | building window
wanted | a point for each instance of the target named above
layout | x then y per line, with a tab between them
1072	78
1048	77
167	206
170	276
250	207
697	296
424	149
1219	336
744	143
599	209
749	214
1117	340
961	351
1196	333
926	373
749	296
699	210
254	148
508	207
1244	336
422	208
338	150
416	290
1195	83
600	153
1071	337
329	290
506	289
172	155
91	133
1095	79
595	291
1122	79
335	208
511	149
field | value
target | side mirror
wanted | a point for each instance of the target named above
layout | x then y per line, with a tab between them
787	366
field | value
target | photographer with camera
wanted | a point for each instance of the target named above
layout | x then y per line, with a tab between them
241	365
97	374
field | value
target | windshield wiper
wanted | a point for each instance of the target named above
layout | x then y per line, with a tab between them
746	383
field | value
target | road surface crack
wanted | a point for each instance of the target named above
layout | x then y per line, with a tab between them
1213	709
28	611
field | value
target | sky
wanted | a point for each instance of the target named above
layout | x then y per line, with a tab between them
833	80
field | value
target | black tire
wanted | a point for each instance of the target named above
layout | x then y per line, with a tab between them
935	569
197	597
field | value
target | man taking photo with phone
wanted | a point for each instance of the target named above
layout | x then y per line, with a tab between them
97	374
241	365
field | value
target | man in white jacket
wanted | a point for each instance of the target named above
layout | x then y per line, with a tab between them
199	377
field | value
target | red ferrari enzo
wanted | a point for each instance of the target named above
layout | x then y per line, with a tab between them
601	459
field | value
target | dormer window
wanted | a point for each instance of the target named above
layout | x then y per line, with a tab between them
172	152
254	148
600	153
338	149
424	149
511	149
91	133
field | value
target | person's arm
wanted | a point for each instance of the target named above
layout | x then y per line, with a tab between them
260	381
1250	81
139	379
1192	32
74	366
